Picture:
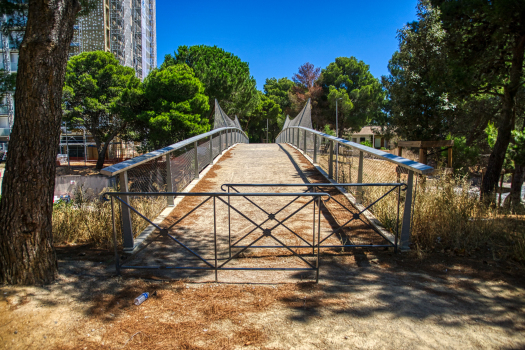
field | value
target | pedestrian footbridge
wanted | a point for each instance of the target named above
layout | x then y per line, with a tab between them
213	207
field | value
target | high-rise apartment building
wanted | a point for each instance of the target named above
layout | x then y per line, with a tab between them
124	27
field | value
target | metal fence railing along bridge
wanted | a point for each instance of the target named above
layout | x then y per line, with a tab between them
351	165
170	169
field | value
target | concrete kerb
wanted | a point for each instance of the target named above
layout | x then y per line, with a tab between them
368	215
143	236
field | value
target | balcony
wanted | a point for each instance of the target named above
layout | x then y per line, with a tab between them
5	132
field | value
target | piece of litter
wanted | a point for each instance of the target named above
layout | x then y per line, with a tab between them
92	330
205	330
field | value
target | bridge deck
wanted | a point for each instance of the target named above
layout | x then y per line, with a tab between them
252	163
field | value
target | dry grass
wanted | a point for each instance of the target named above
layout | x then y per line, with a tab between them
89	220
447	217
181	316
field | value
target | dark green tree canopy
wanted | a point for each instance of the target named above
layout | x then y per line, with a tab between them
420	106
94	86
352	77
279	90
174	107
224	77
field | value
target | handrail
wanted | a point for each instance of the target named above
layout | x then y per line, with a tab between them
416	167
131	163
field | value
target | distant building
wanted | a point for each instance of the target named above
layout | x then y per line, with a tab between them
371	134
127	28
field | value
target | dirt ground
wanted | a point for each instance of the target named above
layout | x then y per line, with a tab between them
366	299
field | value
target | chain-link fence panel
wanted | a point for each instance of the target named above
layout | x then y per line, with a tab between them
216	139
203	151
182	167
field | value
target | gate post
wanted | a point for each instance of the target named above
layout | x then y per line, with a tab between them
169	181
127	228
407	215
331	160
315	148
196	155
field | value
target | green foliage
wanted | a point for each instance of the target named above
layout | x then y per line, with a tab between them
420	106
255	123
173	107
224	77
363	96
517	148
279	91
463	155
366	143
329	131
492	135
94	87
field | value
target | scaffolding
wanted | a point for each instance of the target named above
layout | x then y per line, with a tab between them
136	28
117	39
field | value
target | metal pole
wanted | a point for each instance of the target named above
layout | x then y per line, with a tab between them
215	235
169	181
359	198
211	149
336	120
304	143
196	155
331	160
85	149
67	150
127	228
229	226
407	215
318	236
117	262
315	148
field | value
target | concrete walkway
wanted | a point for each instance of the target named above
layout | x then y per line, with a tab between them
249	164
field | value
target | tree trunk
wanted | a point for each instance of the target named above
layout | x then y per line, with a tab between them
514	198
27	255
506	123
101	150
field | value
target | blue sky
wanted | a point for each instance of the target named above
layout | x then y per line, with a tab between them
276	37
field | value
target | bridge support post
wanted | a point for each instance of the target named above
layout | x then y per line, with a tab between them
359	196
220	142
407	215
331	160
304	141
127	228
315	148
211	149
196	161
298	138
169	181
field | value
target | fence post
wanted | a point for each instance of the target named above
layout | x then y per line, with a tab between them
220	142
407	215
360	178
196	155
127	228
304	142
315	148
331	160
169	181
298	138
211	149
